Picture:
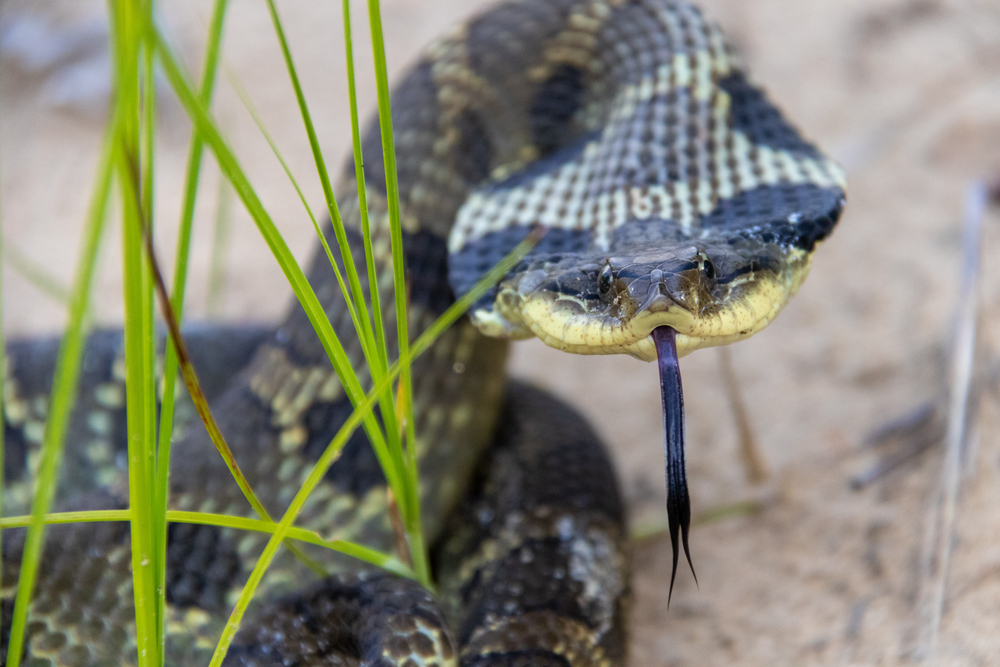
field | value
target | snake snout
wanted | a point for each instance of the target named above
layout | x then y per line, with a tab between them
689	284
660	298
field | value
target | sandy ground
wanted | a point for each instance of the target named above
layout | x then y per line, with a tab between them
905	93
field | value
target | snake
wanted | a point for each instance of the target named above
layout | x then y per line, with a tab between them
672	207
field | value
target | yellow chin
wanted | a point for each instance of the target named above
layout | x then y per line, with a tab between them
563	322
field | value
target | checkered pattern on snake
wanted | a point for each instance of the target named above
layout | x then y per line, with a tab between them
672	192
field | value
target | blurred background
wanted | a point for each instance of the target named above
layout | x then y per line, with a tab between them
802	569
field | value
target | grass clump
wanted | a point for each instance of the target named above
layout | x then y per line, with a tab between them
128	162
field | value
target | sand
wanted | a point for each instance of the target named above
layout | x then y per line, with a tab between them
906	94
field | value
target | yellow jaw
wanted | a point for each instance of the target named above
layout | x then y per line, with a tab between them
568	324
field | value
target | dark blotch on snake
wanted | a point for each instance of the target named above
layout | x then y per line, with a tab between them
525	658
789	214
507	39
426	256
202	566
520	589
414	105
357	469
558	99
474	153
427	271
798	215
546	461
338	621
756	117
217	353
15	450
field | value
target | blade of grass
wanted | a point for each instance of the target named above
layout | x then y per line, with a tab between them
338	224
158	510
359	177
59	518
372	556
424	341
139	391
241	91
365	333
192	173
382	362
385	402
411	508
201	403
300	285
170	365
64	387
128	19
313	310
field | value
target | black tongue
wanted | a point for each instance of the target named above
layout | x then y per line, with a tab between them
678	501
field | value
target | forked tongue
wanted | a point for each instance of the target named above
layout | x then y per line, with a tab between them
678	502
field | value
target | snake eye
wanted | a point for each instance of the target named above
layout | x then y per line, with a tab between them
706	265
605	279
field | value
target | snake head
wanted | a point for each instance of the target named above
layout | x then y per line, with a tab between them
725	284
672	198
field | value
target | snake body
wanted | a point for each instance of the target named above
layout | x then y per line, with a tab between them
672	193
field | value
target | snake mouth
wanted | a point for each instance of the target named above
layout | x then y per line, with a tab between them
624	324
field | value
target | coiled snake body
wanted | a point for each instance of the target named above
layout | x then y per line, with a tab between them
673	194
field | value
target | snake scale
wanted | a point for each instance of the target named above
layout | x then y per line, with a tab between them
680	211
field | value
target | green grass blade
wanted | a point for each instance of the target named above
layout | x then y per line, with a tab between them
300	285
139	389
139	393
411	508
372	556
252	110
364	331
199	400
192	173
58	518
359	177
362	410
423	342
324	177
170	365
378	365
158	511
64	387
